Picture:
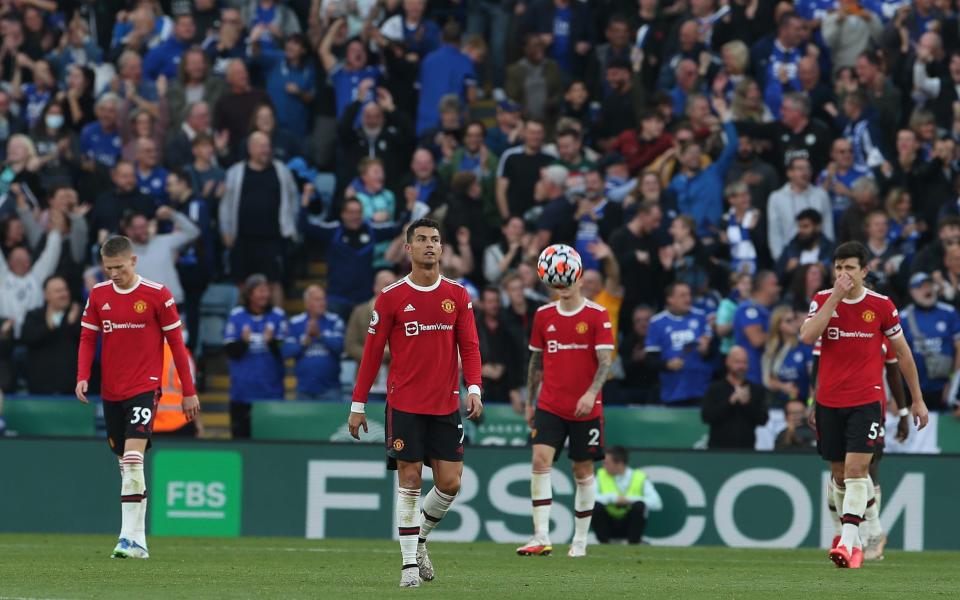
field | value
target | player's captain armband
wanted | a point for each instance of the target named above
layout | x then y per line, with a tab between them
358	407
893	331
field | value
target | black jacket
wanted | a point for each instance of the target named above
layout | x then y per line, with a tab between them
51	366
732	425
393	146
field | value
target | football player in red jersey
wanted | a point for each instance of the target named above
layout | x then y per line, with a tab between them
571	347
134	315
851	321
428	320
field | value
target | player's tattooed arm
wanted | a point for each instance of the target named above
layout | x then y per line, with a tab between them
604	362
534	376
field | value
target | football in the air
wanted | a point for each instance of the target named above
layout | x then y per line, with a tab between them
559	266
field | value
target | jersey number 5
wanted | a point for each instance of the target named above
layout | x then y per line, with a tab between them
876	429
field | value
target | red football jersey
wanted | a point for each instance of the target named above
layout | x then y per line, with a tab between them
133	323
569	342
431	330
889	358
852	355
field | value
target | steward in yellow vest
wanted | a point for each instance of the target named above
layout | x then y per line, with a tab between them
623	497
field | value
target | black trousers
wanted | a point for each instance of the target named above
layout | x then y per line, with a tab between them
629	527
240	420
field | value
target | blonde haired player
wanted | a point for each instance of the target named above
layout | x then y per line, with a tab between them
572	350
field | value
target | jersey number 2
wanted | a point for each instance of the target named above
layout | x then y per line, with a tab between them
594	437
141	415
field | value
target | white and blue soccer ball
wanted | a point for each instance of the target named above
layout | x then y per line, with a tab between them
559	266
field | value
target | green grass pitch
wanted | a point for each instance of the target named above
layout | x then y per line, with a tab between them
68	567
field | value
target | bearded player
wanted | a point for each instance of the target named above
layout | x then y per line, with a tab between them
572	350
851	322
428	320
135	315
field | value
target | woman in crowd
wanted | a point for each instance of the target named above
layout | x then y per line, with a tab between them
786	362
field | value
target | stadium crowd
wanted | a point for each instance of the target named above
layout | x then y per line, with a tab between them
703	156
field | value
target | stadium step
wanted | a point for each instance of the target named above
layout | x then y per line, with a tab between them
215	398
215	420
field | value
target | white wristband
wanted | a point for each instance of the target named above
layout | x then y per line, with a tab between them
473	389
358	407
903	412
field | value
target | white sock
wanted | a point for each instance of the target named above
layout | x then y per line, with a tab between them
541	493
872	512
854	506
583	507
433	508
131	494
832	492
407	523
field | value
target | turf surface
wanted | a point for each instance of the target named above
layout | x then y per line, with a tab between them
72	567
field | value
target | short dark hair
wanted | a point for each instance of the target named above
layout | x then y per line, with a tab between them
810	214
851	249
51	278
450	34
116	245
948	221
618	454
180	174
430	223
672	287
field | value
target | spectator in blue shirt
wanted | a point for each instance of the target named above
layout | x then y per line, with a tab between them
151	177
345	76
291	82
315	341
837	179
100	140
34	96
195	264
933	331
751	322
678	343
444	71
252	340
79	49
508	131
164	59
700	191
566	28
419	35
786	361
350	246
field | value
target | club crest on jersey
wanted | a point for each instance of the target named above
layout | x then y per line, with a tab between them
448	306
398	445
582	327
139	306
869	316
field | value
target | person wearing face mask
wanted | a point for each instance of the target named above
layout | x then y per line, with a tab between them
57	146
932	330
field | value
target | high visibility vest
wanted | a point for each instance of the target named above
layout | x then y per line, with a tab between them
608	485
170	412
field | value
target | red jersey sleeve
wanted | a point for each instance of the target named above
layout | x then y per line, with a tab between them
468	341
90	330
536	335
169	320
381	322
603	331
890	320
